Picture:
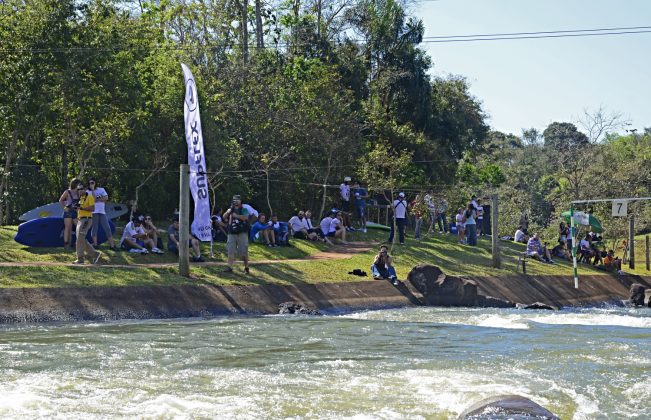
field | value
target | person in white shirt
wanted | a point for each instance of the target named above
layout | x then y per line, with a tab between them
99	214
461	227
253	213
299	227
520	236
134	238
337	229
399	208
480	218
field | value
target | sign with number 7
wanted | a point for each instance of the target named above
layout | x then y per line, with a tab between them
620	208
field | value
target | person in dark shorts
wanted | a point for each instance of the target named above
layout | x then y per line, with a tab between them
173	241
69	200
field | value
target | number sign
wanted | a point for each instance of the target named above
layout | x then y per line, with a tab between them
620	208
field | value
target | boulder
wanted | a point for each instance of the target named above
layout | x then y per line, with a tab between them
287	308
441	290
507	406
636	294
537	305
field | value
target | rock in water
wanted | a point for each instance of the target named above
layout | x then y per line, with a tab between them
441	290
537	305
506	406
296	309
636	294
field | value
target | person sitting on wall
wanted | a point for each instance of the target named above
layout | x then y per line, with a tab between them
382	268
537	251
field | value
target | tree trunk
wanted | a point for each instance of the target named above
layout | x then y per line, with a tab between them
245	31
268	199
4	182
325	188
258	25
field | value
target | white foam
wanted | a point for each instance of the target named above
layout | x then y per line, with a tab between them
598	319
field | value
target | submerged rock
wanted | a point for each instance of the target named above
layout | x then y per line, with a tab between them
506	406
296	309
636	294
493	302
537	305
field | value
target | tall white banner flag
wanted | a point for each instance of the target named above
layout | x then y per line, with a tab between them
201	225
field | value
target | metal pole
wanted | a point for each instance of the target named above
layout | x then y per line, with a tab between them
573	234
648	263
631	243
494	234
184	221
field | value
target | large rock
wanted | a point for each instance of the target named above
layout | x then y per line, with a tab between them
441	290
636	294
493	302
506	406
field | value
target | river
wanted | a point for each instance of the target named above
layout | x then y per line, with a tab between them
390	364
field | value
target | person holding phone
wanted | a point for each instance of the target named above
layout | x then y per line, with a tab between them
382	268
237	218
85	209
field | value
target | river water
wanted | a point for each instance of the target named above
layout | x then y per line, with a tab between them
390	364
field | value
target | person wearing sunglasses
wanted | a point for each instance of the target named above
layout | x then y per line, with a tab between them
99	214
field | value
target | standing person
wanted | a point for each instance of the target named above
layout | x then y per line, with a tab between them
99	215
84	223
480	218
440	218
238	236
360	195
470	224
400	216
431	207
69	200
344	195
418	216
461	227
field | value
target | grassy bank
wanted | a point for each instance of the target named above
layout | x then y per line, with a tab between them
286	265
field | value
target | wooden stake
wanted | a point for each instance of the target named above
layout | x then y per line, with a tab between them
631	243
494	232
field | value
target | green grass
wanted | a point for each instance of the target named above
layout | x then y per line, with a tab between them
440	250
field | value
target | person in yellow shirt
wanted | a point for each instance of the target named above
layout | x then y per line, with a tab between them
84	223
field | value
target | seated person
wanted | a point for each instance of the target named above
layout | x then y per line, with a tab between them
298	226
612	263
337	228
585	249
561	251
173	241
382	268
264	231
135	239
281	230
219	233
151	231
537	251
324	226
520	236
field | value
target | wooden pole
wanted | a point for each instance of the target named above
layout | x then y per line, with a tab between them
494	232
184	221
631	243
648	263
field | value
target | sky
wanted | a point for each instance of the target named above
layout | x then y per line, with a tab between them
531	83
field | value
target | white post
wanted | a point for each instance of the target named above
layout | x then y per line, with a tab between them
573	235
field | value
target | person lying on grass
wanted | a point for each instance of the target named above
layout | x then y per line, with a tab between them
537	251
382	268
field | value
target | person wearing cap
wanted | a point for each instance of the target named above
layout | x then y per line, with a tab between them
344	192
173	237
399	208
84	223
237	220
135	239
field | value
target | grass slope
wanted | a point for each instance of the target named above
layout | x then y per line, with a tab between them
441	250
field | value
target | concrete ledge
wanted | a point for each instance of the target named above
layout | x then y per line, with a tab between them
110	303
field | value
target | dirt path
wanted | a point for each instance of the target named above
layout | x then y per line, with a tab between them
337	252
